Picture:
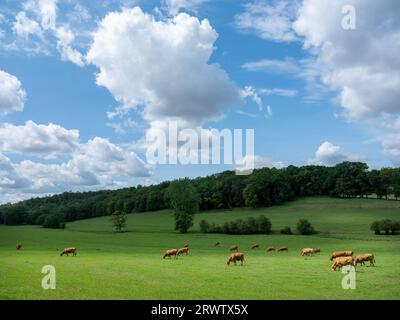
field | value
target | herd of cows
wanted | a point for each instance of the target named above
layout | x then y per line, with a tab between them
338	258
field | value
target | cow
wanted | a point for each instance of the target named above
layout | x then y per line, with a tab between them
309	251
182	251
185	246
255	246
68	251
217	244
235	257
18	246
339	262
346	253
361	258
270	249
281	249
234	248
169	253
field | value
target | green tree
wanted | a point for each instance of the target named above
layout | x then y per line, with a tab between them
184	200
118	219
304	227
54	221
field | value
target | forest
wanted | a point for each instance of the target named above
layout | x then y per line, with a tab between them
264	187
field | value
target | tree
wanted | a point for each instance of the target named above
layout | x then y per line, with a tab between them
184	200
118	218
54	221
304	227
15	215
204	226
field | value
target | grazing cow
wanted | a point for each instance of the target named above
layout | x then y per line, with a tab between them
281	249
182	251
186	246
234	248
18	246
309	251
270	249
169	253
235	257
68	251
217	244
361	258
339	262
255	246
337	254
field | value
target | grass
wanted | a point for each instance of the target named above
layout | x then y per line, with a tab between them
130	265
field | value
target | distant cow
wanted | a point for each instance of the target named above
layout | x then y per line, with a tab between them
337	254
182	251
255	246
281	249
234	248
362	258
18	246
217	244
309	251
67	251
185	246
339	262
169	253
235	257
270	249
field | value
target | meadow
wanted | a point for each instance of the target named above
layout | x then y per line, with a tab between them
130	265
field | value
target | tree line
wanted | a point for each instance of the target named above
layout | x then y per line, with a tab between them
264	187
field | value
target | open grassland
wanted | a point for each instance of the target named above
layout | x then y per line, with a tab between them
130	265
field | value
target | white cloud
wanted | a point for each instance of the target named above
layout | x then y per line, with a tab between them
174	6
161	67
12	95
31	139
329	154
39	18
257	162
269	21
288	65
361	64
278	92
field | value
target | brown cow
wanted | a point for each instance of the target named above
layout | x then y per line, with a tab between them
309	251
345	253
18	246
169	253
255	246
68	251
217	244
361	258
342	261
235	257
234	248
182	251
281	249
270	249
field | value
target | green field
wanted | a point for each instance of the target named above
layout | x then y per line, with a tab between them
130	265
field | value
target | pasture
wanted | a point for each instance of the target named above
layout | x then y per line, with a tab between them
130	265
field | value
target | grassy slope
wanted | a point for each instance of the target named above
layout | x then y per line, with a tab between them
129	265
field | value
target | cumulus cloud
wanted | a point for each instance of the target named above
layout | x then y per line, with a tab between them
31	139
174	6
287	65
12	95
329	154
95	164
361	64
251	162
161	67
270	21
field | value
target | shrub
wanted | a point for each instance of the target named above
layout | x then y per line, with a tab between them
264	225
304	227
286	230
204	226
388	226
376	227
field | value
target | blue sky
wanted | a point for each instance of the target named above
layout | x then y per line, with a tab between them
83	82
